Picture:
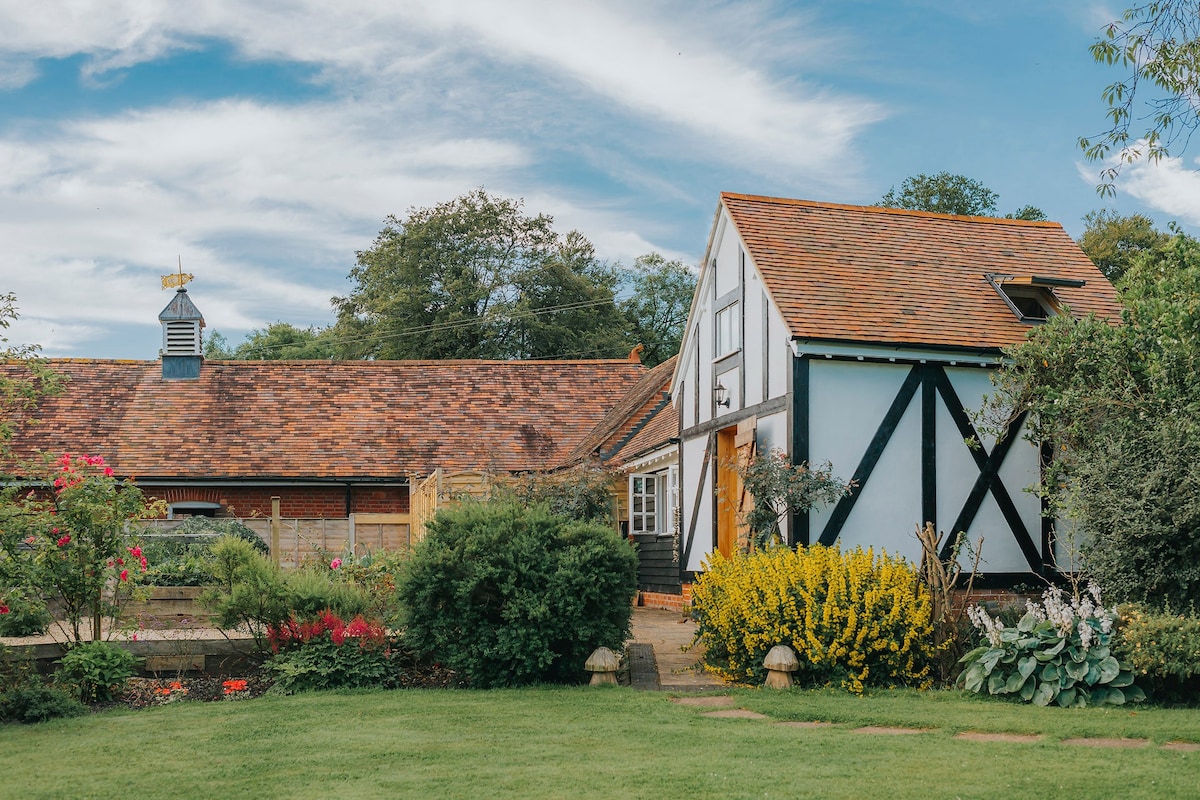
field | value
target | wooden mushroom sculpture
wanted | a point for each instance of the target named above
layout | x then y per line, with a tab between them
781	662
603	664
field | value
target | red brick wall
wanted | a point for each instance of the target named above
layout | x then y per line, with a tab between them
669	602
315	501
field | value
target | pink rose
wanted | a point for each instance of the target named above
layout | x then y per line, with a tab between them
124	574
64	540
337	562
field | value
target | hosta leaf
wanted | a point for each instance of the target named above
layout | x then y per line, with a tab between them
1014	682
973	678
1027	622
1100	652
1099	695
1122	680
974	654
988	662
1134	694
996	683
1065	698
1027	690
1050	672
1109	669
1009	635
1115	697
1026	666
1078	671
1058	647
1093	674
1077	655
1044	694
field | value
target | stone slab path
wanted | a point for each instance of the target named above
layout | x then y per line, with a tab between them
667	633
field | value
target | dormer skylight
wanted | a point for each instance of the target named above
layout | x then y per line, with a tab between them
1031	297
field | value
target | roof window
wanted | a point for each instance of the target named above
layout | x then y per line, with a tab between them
1031	297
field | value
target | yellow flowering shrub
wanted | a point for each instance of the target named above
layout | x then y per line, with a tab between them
853	618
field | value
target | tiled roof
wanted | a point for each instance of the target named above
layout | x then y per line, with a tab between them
321	419
658	432
641	405
887	276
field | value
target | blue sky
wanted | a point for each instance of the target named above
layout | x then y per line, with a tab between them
264	143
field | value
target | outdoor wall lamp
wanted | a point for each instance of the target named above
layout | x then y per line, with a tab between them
722	394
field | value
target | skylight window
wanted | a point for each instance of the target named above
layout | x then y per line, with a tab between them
1031	297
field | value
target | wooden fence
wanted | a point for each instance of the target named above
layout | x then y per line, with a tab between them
439	490
308	538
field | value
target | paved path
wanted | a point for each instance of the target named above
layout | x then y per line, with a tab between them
668	632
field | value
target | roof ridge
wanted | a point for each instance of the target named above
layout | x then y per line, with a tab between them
886	210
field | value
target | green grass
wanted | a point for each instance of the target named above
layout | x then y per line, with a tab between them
581	743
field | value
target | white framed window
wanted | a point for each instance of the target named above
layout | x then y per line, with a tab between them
643	503
729	333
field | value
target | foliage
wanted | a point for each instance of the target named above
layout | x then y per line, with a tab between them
1059	652
279	341
659	299
509	595
1122	407
26	697
221	526
249	591
1113	242
945	193
24	616
96	671
476	278
327	653
182	556
583	492
312	590
1031	213
780	487
1163	651
26	378
854	619
373	573
1158	43
73	542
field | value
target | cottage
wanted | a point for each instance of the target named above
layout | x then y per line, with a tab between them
865	337
337	441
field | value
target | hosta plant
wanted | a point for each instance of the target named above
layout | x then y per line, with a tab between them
1059	652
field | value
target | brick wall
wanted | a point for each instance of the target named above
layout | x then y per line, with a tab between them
669	602
314	501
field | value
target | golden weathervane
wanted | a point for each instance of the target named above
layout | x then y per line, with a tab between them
177	280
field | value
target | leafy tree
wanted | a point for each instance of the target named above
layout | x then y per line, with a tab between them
1113	242
944	193
279	341
26	379
1158	43
660	297
476	278
1121	405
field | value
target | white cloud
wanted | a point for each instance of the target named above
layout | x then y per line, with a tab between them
1169	186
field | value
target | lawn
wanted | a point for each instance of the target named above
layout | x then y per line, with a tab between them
601	743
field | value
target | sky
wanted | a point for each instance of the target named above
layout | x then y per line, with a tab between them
263	143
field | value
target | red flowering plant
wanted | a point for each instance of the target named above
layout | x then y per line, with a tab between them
69	534
326	652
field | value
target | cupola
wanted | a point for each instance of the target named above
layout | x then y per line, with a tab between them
182	345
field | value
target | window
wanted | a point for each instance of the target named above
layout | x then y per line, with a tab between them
653	501
643	503
192	508
728	330
1031	297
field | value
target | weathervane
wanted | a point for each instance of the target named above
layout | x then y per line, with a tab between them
177	280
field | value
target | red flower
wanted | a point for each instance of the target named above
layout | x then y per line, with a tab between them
121	562
136	552
63	541
3	608
124	574
108	472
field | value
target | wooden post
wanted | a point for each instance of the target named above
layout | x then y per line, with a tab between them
275	530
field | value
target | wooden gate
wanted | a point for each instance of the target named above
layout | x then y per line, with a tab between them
440	490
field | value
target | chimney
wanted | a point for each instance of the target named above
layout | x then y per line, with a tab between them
182	348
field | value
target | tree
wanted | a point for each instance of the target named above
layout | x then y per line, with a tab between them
660	297
26	379
1114	242
279	341
476	278
1121	406
944	193
1156	43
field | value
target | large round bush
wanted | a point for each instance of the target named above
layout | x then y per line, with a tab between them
507	595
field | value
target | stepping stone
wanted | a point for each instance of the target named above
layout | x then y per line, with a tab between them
734	713
1182	747
978	736
708	701
643	666
793	723
886	731
1127	744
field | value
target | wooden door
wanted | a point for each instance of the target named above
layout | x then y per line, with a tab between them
729	491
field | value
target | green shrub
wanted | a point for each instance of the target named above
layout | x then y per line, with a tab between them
507	595
326	653
311	590
221	526
248	589
96	671
853	619
1059	652
177	563
1163	651
583	493
25	617
34	701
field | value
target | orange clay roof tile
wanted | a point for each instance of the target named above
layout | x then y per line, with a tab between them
319	419
644	401
889	276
